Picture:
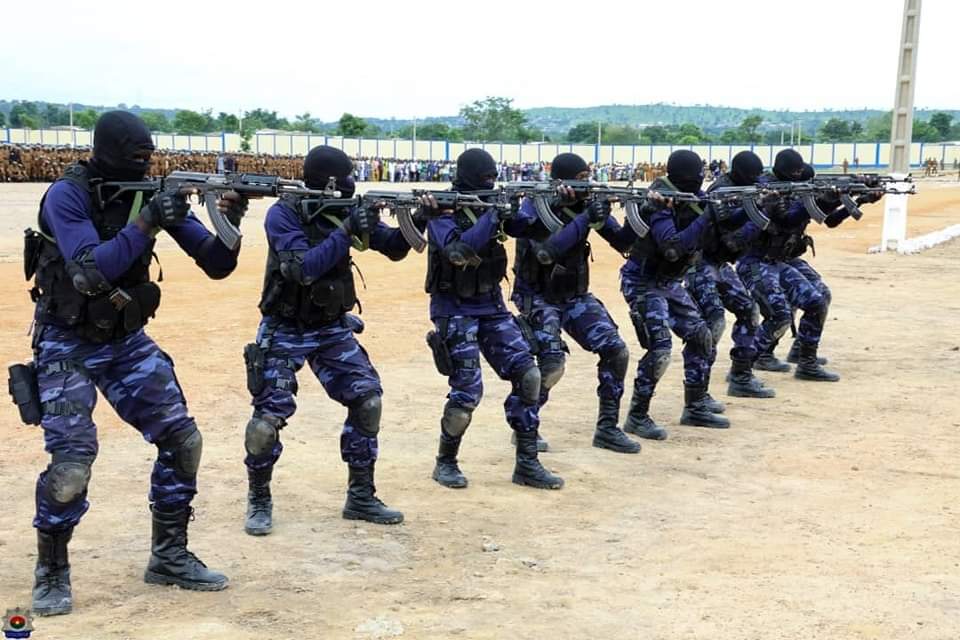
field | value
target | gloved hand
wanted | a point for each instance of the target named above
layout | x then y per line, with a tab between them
775	207
507	212
598	211
869	198
362	220
166	209
733	241
234	206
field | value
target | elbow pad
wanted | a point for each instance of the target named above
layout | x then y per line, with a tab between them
291	267
213	272
86	277
672	250
460	254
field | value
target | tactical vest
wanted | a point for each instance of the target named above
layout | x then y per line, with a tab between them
566	277
714	250
322	301
100	318
466	281
645	250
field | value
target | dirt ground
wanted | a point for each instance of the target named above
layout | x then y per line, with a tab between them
832	511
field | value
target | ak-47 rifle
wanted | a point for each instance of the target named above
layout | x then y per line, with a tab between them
211	186
848	186
402	204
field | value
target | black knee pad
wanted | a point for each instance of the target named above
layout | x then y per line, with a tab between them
364	414
616	362
717	324
827	295
455	419
527	385
657	361
551	370
262	433
702	341
67	478
186	447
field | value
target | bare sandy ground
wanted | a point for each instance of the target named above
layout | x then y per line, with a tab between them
832	511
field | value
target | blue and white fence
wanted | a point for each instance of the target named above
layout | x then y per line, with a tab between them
862	154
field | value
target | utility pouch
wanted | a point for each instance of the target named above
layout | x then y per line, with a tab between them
441	354
526	330
22	385
253	358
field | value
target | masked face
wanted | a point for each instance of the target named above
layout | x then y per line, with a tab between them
323	163
476	171
685	170
746	168
122	147
788	165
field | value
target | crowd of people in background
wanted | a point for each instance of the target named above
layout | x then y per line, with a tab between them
42	163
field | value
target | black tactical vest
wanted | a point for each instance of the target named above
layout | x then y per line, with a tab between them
646	252
322	301
100	318
714	250
566	277
466	281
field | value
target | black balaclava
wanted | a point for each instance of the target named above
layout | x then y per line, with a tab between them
808	172
117	136
476	171
566	166
685	170
745	168
323	163
788	165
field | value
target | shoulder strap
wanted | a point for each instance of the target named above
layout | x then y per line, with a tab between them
693	205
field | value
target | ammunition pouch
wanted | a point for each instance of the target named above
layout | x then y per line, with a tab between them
23	388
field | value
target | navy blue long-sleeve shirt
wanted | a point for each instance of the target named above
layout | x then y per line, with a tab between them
65	214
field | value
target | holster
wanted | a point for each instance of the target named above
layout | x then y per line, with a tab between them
23	388
526	330
32	248
253	358
441	354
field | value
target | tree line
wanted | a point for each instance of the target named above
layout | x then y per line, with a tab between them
493	119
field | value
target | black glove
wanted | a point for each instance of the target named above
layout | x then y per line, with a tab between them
776	208
236	208
869	198
733	241
503	213
598	211
362	220
165	209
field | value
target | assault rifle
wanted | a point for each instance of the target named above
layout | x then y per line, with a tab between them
402	204
848	185
211	186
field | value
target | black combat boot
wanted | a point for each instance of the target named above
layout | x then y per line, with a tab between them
447	471
607	435
714	405
259	502
794	356
696	413
639	422
810	369
528	470
51	588
170	560
542	445
770	362
362	502
743	384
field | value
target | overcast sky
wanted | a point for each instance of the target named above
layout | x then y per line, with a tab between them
406	59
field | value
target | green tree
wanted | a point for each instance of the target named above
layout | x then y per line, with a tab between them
941	122
85	119
3	119
26	115
656	134
155	121
877	128
583	132
305	122
188	122
351	126
228	122
494	119
263	119
691	133
619	134
749	129
55	116
923	131
835	130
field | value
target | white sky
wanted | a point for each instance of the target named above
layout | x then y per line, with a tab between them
406	58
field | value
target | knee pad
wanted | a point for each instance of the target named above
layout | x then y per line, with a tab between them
67	478
716	324
262	434
780	328
657	361
455	419
365	415
616	362
186	447
528	386
551	370
702	340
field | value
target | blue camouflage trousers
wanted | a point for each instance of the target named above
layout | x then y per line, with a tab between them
587	321
715	288
338	361
498	338
779	287
658	307
137	379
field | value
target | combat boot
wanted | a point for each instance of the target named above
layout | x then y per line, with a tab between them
639	422
52	595
810	369
528	470
696	412
542	445
170	560
770	362
743	384
362	502
259	502
608	435
447	471
794	356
